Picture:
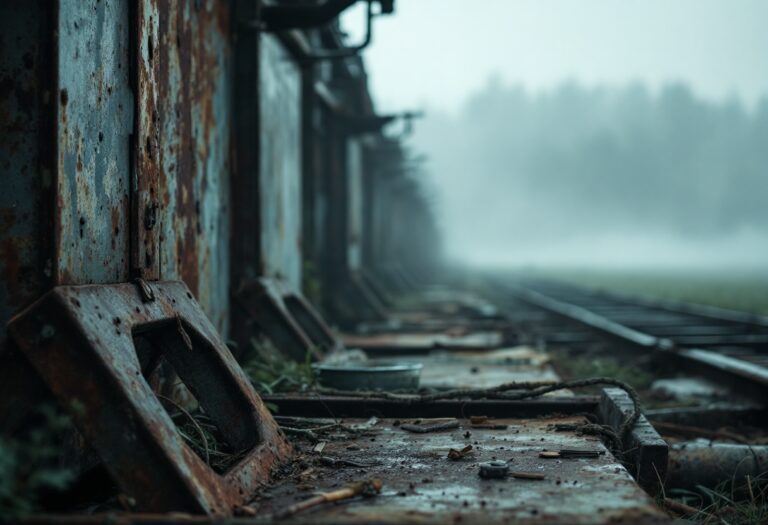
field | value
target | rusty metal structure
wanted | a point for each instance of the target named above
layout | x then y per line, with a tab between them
183	176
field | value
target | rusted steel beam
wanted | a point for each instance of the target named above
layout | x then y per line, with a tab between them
645	448
82	341
337	406
183	76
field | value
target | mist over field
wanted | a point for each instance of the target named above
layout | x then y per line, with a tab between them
614	176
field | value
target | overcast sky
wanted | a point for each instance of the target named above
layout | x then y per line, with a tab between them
435	53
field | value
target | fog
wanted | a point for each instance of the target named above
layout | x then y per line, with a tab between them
614	176
593	133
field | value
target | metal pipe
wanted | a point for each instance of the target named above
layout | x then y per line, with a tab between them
330	54
285	17
707	464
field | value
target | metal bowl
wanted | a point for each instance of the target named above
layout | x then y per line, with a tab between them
374	374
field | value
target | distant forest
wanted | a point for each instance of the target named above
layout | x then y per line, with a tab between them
611	160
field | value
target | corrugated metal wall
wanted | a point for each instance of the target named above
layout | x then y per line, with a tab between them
95	121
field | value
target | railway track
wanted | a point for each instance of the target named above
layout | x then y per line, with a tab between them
725	346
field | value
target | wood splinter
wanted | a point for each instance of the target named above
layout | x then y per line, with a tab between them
367	488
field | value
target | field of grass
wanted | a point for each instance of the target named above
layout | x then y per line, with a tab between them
738	290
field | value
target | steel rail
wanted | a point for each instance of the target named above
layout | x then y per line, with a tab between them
745	377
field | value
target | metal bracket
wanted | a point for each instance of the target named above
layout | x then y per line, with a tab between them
287	319
80	340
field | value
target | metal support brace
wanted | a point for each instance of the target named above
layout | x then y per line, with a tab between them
287	319
81	341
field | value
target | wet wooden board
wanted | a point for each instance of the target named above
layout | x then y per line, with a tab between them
421	485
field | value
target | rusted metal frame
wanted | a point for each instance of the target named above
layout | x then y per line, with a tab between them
286	319
339	406
645	449
80	339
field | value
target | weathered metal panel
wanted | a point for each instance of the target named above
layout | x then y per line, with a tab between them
355	204
26	153
95	118
183	147
280	164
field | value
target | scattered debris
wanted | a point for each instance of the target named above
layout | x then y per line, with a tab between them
319	447
437	427
368	425
549	454
367	488
339	463
245	510
301	432
458	454
493	470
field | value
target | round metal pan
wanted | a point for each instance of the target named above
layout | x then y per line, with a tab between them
375	374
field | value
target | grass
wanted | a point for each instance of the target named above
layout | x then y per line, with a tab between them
743	502
579	366
738	290
272	372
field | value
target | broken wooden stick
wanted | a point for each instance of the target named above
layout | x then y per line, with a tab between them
367	488
455	454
